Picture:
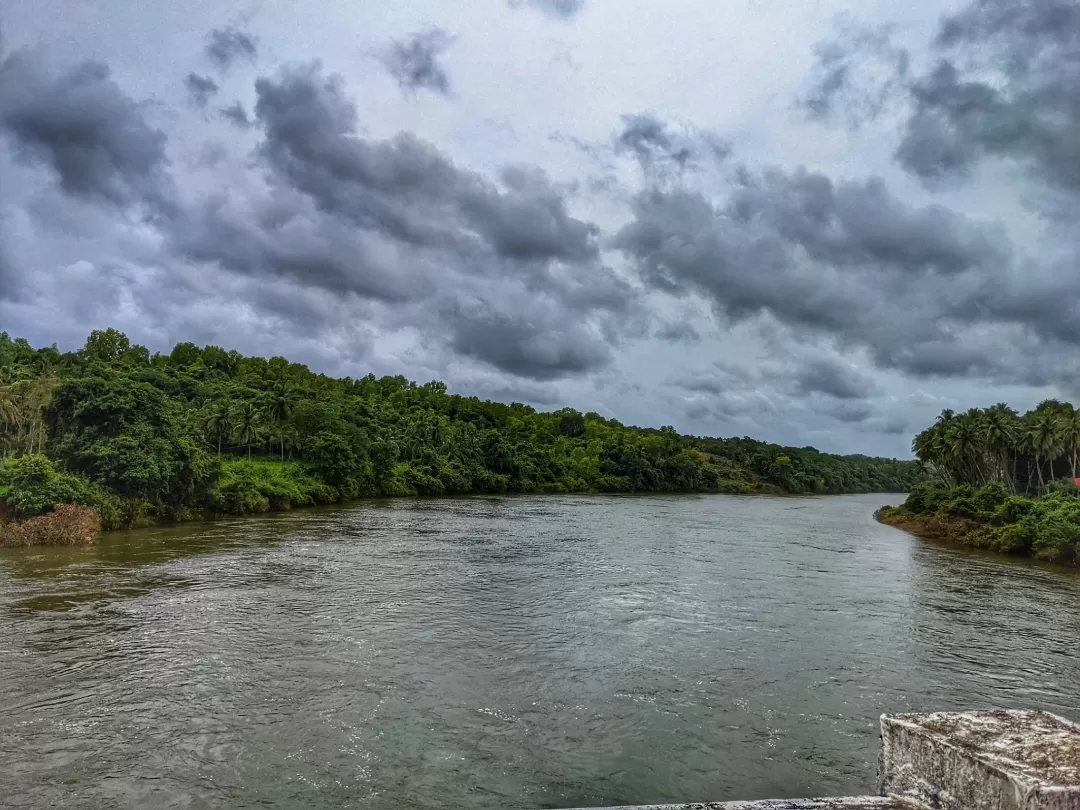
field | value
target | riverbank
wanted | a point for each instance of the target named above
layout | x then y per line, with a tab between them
1045	527
258	488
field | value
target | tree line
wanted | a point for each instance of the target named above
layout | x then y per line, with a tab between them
143	437
1000	480
997	444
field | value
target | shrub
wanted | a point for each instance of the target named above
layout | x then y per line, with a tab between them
67	525
260	486
925	499
1065	486
1012	539
1014	509
35	486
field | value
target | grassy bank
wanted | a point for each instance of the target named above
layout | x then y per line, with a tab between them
990	517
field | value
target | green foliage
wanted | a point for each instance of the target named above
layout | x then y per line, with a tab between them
205	429
126	436
1010	476
1046	526
260	486
34	487
333	459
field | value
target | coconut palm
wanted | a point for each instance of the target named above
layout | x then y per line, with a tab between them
279	402
248	424
963	447
218	424
1000	434
1071	436
9	413
1043	440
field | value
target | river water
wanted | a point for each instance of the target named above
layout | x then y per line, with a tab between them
506	653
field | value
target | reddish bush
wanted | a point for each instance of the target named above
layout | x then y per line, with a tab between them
68	525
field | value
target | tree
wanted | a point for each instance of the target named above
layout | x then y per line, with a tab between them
9	416
1000	426
1069	427
248	424
126	436
1043	440
218	424
185	355
334	459
108	346
279	402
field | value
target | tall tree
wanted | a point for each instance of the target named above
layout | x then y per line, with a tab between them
248	422
279	403
1071	436
1000	425
1043	440
218	423
9	417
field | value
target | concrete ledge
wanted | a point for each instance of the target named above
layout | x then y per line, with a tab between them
1007	760
856	803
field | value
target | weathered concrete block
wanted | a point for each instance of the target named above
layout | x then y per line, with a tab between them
856	803
1006	760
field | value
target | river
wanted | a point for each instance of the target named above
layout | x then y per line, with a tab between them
506	653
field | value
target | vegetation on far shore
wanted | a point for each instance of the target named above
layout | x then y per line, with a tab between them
142	438
999	480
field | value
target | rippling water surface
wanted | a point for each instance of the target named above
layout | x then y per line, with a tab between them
506	653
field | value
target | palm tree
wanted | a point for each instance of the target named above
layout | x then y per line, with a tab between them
964	447
218	423
1043	440
1000	428
279	402
1071	436
247	422
9	411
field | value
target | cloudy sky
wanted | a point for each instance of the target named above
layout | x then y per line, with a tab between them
809	222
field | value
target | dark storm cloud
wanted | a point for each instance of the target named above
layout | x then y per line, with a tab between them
563	9
833	377
857	72
851	412
80	125
656	146
500	272
8	276
717	379
225	46
405	187
923	289
677	332
236	115
1005	83
799	246
414	62
540	345
895	425
200	89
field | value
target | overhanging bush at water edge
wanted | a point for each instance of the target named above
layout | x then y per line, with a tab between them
989	517
68	525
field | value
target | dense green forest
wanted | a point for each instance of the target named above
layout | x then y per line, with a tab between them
141	437
1000	480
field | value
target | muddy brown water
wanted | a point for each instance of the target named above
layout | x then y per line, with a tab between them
506	653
